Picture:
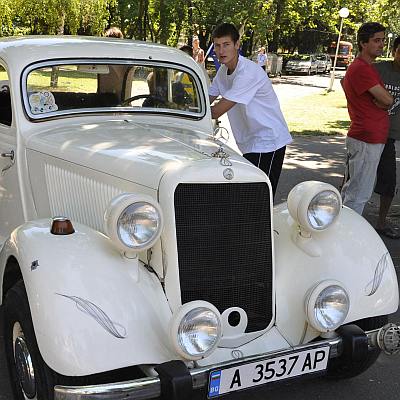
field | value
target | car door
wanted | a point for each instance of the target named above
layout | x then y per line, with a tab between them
11	212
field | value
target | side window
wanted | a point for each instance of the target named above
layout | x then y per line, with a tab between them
5	98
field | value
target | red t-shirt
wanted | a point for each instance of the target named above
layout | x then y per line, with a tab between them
369	123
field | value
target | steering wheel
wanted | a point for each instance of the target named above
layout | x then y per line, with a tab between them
155	99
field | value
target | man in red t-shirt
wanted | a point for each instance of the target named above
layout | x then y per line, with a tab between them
367	102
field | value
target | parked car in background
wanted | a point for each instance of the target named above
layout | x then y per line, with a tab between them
324	63
302	63
141	257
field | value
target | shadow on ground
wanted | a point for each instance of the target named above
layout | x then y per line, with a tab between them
294	80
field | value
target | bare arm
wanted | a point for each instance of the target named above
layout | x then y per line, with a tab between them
382	98
221	107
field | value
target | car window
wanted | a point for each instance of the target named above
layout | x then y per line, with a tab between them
300	57
5	98
97	87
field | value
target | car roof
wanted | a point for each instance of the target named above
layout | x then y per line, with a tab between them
20	51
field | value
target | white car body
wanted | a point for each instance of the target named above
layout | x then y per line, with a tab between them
302	63
96	308
324	63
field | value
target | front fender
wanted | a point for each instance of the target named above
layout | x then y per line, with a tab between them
349	251
93	310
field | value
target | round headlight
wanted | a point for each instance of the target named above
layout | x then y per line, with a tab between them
327	306
323	209
133	222
196	330
314	205
138	224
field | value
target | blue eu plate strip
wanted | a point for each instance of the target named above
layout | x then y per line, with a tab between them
215	379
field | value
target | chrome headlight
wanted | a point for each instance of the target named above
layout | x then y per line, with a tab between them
133	222
327	306
195	330
314	205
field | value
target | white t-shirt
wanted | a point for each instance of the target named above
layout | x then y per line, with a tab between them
256	120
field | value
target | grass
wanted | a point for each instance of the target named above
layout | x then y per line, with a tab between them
68	80
317	114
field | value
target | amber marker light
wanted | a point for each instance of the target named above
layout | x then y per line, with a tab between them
62	226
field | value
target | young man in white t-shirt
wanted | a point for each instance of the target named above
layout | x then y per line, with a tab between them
253	109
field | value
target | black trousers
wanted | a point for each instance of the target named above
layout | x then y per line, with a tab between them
270	163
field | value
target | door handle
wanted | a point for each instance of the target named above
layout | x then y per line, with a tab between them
10	155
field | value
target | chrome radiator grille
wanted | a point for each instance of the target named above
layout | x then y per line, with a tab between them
224	247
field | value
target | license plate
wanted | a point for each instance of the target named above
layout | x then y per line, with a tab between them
261	372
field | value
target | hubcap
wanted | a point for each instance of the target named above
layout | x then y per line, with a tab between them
23	363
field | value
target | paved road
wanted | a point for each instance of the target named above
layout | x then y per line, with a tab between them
310	158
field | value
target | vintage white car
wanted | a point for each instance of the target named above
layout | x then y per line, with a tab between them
140	257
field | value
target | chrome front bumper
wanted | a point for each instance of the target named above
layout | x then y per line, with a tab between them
150	387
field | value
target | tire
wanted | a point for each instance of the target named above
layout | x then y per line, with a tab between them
20	340
337	369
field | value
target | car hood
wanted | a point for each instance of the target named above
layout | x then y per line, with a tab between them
140	153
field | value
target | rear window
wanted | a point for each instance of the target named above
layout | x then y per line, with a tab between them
100	87
300	57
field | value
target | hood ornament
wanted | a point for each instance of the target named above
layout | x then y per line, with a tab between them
221	133
223	156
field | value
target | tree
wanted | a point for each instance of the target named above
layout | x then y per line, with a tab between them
6	16
60	16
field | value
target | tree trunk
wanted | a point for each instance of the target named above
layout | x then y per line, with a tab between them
279	6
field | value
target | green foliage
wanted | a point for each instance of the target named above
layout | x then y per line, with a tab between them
54	16
6	14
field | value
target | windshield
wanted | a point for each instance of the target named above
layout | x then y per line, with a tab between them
343	49
98	87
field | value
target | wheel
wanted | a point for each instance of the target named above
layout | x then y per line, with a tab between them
30	377
340	370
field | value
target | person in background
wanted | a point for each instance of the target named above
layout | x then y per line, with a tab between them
113	81
114	32
385	185
253	109
262	58
198	52
367	103
187	49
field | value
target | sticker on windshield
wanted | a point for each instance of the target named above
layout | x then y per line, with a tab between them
42	102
